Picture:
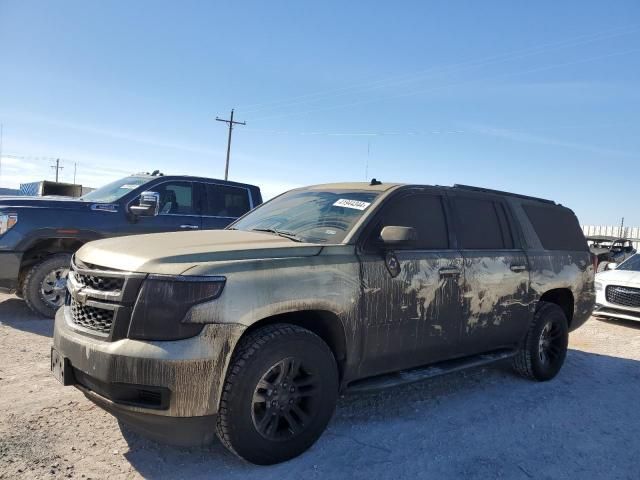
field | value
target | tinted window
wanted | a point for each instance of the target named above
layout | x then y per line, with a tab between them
421	211
176	198
482	224
226	201
556	227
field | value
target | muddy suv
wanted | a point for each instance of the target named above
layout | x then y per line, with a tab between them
253	331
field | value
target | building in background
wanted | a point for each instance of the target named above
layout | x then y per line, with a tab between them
46	187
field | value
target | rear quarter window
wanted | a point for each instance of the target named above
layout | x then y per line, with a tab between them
556	227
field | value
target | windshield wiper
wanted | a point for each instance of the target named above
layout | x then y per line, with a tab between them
282	233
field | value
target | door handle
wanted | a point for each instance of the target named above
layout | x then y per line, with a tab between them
190	227
518	268
450	272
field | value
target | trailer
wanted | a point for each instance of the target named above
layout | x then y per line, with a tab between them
45	188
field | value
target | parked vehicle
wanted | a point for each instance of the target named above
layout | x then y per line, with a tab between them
39	234
618	290
610	249
253	331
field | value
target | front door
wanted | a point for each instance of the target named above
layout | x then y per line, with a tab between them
412	296
179	208
496	285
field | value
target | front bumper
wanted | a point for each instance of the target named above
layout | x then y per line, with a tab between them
9	270
185	375
616	312
605	308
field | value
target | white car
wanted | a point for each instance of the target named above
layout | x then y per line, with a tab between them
618	291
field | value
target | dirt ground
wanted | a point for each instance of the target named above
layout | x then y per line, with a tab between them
483	423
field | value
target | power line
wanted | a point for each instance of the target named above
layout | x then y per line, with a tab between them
231	123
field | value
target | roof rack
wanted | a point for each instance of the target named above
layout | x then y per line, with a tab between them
500	192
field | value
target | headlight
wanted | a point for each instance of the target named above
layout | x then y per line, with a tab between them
163	303
598	286
7	221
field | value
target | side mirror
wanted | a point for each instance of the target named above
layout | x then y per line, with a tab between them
148	206
395	236
611	266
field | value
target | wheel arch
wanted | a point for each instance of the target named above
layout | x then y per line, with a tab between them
43	247
326	324
563	297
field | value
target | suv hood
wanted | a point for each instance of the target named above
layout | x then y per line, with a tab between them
68	203
175	252
628	278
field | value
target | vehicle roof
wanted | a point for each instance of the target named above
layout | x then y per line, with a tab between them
193	178
381	187
608	238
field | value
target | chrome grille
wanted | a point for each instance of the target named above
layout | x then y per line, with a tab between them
625	296
99	283
93	318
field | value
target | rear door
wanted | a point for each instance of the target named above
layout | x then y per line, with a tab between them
412	295
496	276
223	204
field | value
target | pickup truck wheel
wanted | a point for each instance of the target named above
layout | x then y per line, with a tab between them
45	284
279	394
545	347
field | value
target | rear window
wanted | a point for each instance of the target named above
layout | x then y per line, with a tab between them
556	227
482	224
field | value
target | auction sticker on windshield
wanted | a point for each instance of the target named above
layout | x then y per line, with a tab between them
355	204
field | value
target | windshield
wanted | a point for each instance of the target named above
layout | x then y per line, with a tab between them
632	263
115	190
310	215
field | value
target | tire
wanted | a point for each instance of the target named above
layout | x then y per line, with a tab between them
602	266
270	410
545	347
42	294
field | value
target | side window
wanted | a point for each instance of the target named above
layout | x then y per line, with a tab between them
557	227
226	201
423	212
482	224
176	198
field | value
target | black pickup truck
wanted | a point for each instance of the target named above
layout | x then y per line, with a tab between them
39	234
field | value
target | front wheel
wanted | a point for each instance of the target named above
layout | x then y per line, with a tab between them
279	394
545	347
45	285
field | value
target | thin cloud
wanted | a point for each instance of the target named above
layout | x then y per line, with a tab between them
519	136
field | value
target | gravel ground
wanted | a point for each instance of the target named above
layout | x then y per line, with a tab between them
482	423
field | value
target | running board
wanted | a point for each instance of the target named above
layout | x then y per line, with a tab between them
405	377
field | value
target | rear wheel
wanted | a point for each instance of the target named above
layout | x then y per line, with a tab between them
545	347
45	284
279	395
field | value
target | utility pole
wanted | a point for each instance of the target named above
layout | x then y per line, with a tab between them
75	167
231	123
57	167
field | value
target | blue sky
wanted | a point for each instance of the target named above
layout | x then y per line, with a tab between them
541	97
